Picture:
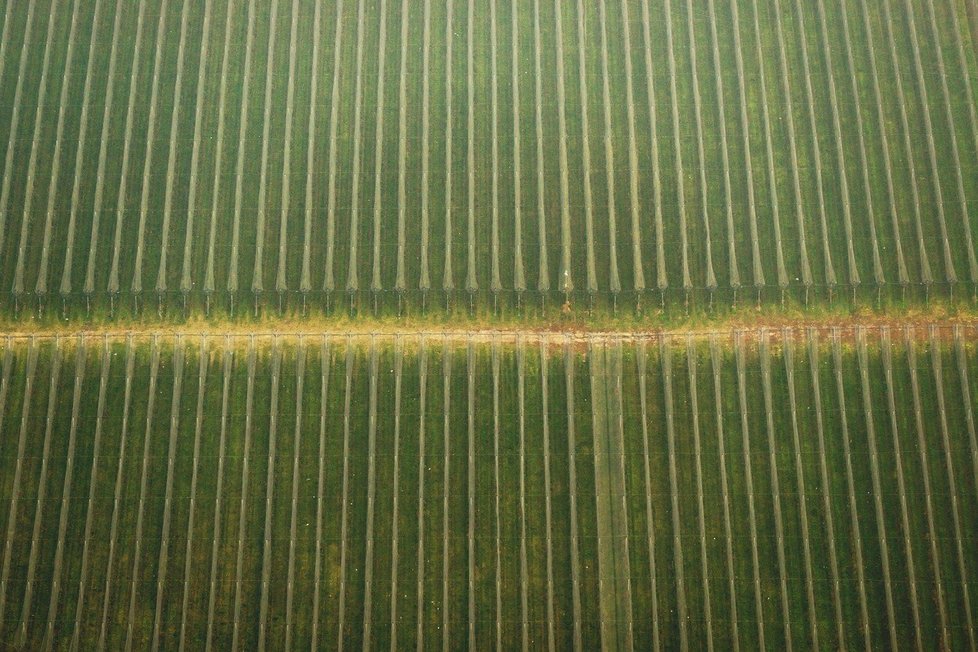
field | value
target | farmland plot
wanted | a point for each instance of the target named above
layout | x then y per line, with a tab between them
538	492
375	155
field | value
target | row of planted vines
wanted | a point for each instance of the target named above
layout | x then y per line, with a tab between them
409	155
767	489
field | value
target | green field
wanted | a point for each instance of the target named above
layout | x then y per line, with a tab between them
766	488
421	154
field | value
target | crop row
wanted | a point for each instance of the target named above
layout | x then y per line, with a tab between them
393	150
770	489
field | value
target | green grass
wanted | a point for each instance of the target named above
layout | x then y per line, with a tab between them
450	368
469	164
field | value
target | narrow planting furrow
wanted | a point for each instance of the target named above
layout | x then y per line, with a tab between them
840	152
376	284
524	569
936	365
203	362
164	559
448	276
471	283
677	151
15	114
614	282
300	378
186	279
395	509
813	114
368	564
864	164
80	602
903	276
543	279
638	269
228	365
209	272
41	285
758	268
400	282
783	278
660	249
850	484
446	380
325	362
97	205
495	283
171	163
701	159
4	42
422	426
863	362
716	367
700	507
952	132
775	485
232	280
935	559
497	493
11	533
887	355
305	282
548	503
592	280
347	398
134	581
834	578
566	239
649	515
117	495
424	282
749	481
30	191
56	580
261	214
788	113
266	559
972	113
154	94
789	370
964	379
621	528
243	503
8	361
103	154
920	75
27	603
329	282
470	475
281	277
682	614
572	488
926	276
